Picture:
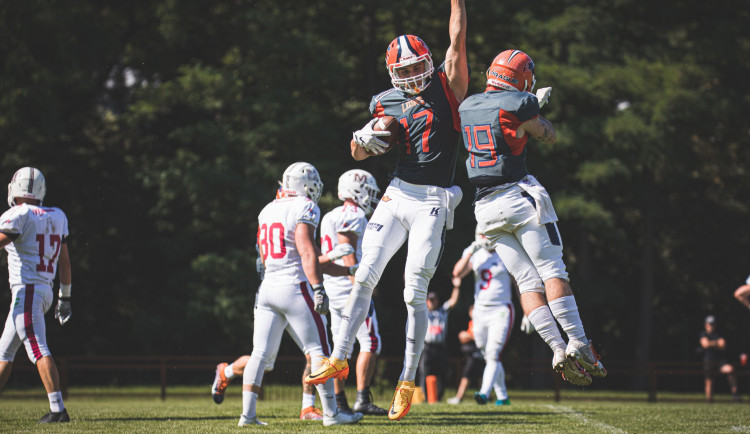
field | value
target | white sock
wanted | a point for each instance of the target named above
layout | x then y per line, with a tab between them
56	402
327	397
416	329
565	311
545	325
308	400
249	401
500	390
229	371
488	378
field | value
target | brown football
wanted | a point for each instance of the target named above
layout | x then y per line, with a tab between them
389	123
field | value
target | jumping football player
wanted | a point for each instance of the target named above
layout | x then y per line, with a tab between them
418	204
292	291
35	238
515	212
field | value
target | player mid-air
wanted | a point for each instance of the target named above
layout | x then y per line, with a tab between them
35	238
417	207
515	212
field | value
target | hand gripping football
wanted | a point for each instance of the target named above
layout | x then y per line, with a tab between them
392	125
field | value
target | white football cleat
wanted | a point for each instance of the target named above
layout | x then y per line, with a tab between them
454	400
570	370
244	421
341	418
586	356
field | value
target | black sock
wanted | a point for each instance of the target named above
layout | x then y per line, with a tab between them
341	400
363	395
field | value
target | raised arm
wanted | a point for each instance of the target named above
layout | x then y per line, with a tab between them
538	128
456	67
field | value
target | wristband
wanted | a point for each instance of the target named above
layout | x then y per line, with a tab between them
65	290
318	288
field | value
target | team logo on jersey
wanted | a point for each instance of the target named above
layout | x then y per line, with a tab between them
435	212
385	199
374	227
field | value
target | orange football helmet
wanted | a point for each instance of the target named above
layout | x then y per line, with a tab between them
512	70
403	52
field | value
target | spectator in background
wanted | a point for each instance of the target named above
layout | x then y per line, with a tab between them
742	294
435	355
714	360
473	360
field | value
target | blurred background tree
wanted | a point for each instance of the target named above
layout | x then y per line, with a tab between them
162	128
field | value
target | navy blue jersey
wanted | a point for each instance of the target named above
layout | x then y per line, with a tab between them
427	156
489	122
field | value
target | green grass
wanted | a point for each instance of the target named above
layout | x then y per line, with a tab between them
190	410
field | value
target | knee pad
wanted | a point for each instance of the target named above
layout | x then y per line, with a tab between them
366	276
415	298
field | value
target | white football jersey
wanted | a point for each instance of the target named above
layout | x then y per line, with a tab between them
492	284
276	227
32	257
345	218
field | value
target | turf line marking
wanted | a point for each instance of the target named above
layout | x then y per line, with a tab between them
572	414
741	428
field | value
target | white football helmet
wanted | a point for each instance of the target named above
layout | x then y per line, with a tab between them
302	179
359	186
27	182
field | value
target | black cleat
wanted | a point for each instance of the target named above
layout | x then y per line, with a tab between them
53	417
369	408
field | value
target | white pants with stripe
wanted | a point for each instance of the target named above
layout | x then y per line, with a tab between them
531	251
25	323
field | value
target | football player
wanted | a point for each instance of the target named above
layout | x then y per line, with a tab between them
515	212
742	294
345	224
493	312
225	372
35	238
292	291
418	204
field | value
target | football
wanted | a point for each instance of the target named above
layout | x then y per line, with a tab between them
389	123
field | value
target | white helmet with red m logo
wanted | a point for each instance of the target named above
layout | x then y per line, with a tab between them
359	186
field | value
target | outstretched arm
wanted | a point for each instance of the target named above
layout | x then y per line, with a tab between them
538	128
456	67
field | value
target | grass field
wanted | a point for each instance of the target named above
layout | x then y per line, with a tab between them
191	410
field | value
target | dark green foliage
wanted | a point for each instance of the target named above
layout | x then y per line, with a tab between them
163	126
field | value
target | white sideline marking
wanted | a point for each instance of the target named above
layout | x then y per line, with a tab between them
569	412
742	428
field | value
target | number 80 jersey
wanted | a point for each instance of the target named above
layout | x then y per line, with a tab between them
32	256
276	228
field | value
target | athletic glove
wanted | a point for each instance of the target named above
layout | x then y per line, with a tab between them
353	269
526	325
475	246
543	95
63	310
320	298
368	139
340	251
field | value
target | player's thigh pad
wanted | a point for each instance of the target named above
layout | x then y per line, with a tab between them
384	235
10	341
543	245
